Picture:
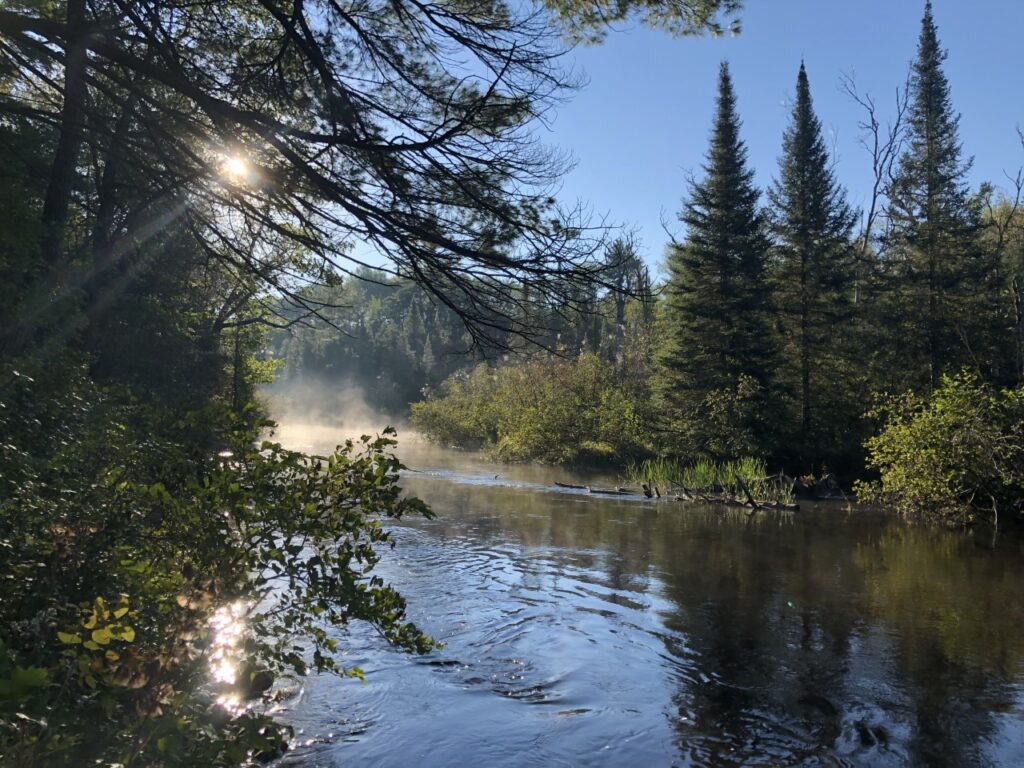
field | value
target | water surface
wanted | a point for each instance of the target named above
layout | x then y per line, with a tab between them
599	631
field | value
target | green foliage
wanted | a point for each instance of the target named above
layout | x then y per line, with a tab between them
126	538
551	410
954	457
727	422
1003	235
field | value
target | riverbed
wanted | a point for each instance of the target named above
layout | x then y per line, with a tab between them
582	630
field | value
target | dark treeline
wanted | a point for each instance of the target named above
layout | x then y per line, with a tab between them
380	335
783	322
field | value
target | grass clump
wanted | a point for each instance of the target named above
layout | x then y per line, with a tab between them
706	476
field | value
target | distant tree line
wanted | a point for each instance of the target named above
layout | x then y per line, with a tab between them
388	338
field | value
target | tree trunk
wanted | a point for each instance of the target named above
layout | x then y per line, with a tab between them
62	171
1018	309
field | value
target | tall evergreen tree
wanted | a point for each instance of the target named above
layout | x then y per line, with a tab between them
719	336
938	277
813	270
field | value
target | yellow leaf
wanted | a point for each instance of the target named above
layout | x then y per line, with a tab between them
91	623
68	638
120	612
101	636
128	634
112	656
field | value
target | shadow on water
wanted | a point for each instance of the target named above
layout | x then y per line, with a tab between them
606	631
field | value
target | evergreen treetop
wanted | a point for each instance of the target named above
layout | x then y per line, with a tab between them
810	205
931	177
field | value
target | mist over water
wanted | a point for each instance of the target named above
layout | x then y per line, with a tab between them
315	414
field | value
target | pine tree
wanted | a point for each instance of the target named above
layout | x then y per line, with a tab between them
428	360
938	277
719	337
813	269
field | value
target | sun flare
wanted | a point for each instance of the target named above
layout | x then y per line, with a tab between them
235	168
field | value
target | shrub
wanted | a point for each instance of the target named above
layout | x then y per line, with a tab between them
126	535
551	410
953	457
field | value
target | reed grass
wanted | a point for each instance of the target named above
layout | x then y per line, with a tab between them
711	477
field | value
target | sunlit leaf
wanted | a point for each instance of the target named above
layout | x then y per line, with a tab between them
101	636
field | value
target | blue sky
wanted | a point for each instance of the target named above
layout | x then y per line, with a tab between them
642	121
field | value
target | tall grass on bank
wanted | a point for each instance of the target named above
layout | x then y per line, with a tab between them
711	477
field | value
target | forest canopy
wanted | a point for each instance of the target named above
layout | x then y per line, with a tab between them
291	141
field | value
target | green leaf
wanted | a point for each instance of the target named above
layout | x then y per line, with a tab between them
68	638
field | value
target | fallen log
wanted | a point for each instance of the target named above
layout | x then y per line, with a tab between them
610	491
751	504
573	487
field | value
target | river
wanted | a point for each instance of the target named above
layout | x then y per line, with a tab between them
582	630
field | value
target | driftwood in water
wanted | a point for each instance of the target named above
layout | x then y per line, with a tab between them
591	489
714	495
727	500
650	491
610	491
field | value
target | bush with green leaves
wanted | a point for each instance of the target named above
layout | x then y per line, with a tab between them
954	457
727	423
550	410
126	537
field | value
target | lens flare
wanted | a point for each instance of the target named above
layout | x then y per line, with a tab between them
235	168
